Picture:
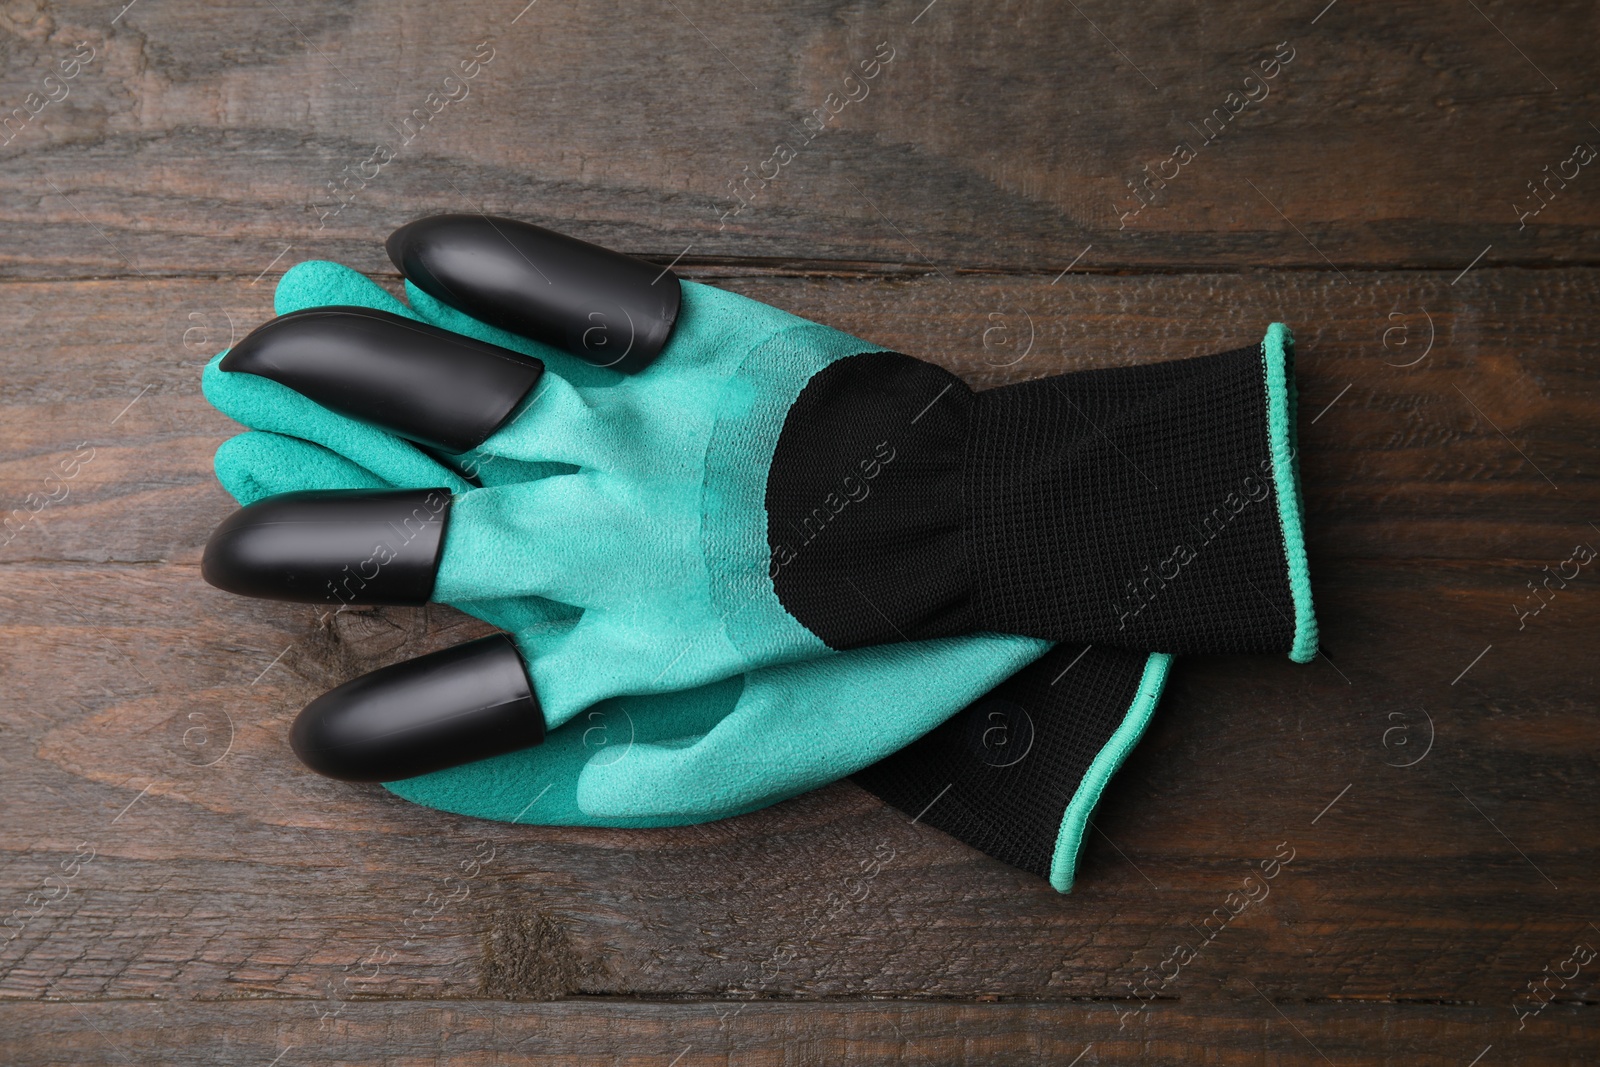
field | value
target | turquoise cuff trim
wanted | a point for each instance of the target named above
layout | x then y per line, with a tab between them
1064	862
1277	356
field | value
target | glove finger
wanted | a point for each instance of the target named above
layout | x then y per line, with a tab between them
539	786
413	720
607	308
443	390
319	283
600	306
555	538
313	283
254	465
801	725
449	707
263	404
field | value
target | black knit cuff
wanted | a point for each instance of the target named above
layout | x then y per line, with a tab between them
1153	508
1143	507
1018	772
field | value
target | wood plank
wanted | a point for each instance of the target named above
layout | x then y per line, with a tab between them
766	1034
1401	137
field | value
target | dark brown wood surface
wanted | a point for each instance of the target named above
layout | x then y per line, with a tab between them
188	894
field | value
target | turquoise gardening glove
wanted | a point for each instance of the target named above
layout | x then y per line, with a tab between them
767	490
736	742
602	518
1015	773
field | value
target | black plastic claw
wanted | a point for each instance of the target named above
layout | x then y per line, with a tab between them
441	710
601	306
428	385
338	546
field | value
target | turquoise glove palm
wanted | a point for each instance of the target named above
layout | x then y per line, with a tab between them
614	538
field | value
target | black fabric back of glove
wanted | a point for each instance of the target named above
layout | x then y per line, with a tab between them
1000	774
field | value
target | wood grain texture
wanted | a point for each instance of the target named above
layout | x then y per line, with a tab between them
203	138
180	890
766	1034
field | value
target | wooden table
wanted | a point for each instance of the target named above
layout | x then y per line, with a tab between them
181	891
